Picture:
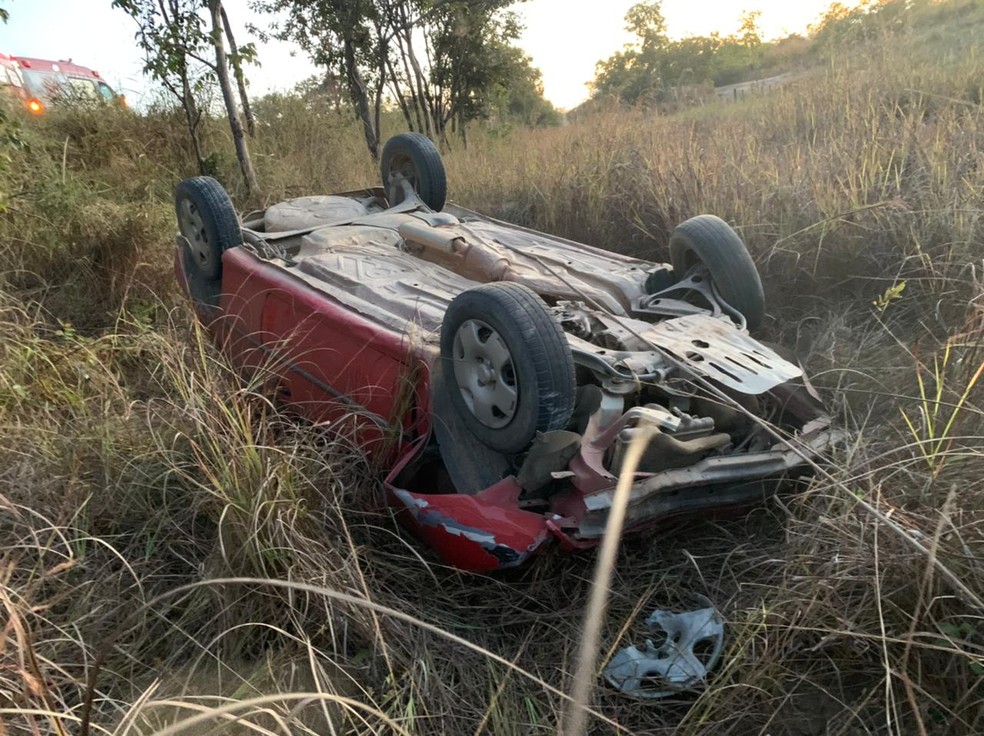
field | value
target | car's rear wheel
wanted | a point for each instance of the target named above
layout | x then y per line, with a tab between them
208	222
508	365
710	241
414	157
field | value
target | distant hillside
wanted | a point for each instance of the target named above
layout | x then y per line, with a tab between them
668	74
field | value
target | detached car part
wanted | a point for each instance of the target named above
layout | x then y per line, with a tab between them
687	647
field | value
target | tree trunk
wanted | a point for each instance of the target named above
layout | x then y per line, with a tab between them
222	70
398	95
360	98
193	118
237	70
419	110
334	91
380	84
427	103
438	99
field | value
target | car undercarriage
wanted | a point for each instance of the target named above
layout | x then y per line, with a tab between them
535	361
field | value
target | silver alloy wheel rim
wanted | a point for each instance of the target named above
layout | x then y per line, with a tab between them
485	374
193	228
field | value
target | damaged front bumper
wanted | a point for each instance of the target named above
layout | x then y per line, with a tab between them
490	531
480	533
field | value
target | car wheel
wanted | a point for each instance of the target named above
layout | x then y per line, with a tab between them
509	367
711	241
415	157
208	221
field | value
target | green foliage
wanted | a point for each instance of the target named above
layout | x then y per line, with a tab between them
942	406
473	57
351	40
891	294
857	22
182	51
245	54
336	34
370	48
11	140
844	28
82	210
523	100
748	30
484	73
637	73
645	71
174	38
646	21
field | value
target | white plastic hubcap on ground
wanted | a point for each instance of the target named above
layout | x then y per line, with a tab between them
691	646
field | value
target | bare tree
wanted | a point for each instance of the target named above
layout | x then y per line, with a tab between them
225	84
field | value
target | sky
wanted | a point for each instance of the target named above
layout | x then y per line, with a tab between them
565	38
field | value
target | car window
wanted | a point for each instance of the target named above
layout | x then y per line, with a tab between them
107	92
82	90
43	85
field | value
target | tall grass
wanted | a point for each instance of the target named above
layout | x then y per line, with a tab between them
134	462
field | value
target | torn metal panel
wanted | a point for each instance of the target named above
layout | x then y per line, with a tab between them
480	533
716	349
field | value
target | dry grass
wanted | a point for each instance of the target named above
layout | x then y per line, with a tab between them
136	469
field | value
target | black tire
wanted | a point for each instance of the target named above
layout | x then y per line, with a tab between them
208	221
539	370
709	240
416	157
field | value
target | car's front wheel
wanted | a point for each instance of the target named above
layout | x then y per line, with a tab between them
509	367
710	241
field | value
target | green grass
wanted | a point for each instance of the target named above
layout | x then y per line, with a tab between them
133	462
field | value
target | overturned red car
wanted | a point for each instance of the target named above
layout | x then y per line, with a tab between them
500	373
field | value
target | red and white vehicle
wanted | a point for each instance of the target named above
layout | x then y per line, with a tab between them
46	83
500	373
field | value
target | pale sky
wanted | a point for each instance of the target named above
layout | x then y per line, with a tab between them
565	38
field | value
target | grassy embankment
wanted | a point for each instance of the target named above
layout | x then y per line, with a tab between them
132	463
